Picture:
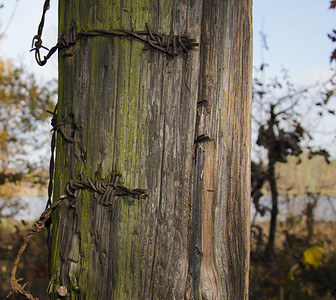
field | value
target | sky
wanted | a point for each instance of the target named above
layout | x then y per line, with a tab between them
296	36
19	20
296	33
295	30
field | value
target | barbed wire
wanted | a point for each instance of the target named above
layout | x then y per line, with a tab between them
104	193
169	44
56	127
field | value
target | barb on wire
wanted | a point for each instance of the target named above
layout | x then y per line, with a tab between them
169	44
104	192
61	128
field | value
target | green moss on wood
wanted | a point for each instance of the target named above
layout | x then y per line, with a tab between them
121	148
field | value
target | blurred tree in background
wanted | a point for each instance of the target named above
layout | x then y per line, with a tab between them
279	113
24	134
300	249
332	35
23	130
291	258
33	265
293	190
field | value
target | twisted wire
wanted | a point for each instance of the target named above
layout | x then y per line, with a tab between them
168	44
104	192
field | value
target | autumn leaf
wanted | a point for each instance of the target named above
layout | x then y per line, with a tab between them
294	269
332	37
307	291
313	257
332	4
333	56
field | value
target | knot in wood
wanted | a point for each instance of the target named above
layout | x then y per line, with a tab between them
62	291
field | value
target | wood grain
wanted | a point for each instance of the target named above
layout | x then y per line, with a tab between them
139	113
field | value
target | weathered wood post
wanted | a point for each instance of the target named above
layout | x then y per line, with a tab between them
177	126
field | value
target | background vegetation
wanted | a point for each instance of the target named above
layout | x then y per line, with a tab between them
24	135
293	253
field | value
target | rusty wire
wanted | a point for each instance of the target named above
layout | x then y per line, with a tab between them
52	156
16	287
169	44
60	127
104	193
56	127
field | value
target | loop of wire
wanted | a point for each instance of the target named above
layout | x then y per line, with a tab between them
104	192
169	44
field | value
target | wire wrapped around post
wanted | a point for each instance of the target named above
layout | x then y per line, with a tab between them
169	44
104	192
